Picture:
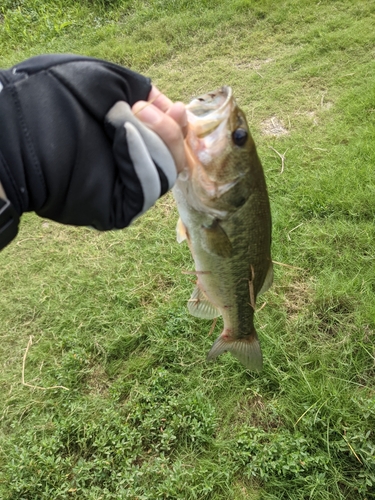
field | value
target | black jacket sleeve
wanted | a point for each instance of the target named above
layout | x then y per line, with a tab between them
56	157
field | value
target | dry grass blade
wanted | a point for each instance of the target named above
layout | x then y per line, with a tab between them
304	413
352	450
282	156
151	101
212	327
287	265
23	372
299	225
196	272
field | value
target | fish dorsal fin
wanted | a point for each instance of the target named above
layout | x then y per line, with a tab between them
200	307
268	280
215	240
181	234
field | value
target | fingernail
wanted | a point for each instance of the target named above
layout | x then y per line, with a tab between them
149	114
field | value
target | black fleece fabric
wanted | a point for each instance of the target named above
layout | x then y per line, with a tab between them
56	155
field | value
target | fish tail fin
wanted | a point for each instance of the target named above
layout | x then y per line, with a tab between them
247	350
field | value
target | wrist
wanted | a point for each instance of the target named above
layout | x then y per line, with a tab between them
9	220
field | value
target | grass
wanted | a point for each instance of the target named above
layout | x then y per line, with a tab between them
145	417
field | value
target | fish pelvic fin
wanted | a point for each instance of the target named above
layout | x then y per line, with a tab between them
200	307
181	232
246	349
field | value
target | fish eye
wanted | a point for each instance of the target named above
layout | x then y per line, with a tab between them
239	136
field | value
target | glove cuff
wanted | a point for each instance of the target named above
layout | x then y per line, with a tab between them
9	221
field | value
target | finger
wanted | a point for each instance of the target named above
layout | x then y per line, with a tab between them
155	145
159	100
166	128
178	112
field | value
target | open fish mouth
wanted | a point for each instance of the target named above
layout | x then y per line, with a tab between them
212	101
208	111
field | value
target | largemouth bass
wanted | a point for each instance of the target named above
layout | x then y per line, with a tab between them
225	217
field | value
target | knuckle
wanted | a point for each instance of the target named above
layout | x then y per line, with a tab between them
174	134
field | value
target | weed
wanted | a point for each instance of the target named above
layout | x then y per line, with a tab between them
145	417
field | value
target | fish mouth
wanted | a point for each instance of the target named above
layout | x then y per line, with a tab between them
212	101
208	111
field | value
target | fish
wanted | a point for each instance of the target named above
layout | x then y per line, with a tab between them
225	218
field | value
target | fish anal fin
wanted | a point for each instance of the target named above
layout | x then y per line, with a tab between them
268	280
246	349
215	240
181	231
200	307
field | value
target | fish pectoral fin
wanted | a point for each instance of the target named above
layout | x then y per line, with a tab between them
247	350
268	280
181	232
215	240
200	307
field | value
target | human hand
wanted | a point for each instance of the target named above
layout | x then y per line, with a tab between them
152	135
162	115
57	158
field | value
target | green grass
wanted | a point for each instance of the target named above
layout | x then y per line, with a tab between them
145	417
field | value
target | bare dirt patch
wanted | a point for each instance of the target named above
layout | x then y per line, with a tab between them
254	65
312	116
274	127
97	381
256	411
298	296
